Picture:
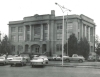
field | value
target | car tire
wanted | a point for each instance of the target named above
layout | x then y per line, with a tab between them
46	62
32	66
54	59
80	60
11	65
22	64
4	63
67	60
25	64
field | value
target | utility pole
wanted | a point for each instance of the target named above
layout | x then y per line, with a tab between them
62	8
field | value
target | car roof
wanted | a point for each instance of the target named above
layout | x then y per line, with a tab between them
2	57
18	57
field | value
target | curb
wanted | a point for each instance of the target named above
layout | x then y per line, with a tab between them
76	66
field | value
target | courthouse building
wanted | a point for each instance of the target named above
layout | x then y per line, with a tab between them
43	33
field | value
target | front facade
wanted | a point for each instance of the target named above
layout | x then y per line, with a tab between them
43	33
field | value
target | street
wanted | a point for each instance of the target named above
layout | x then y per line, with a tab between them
48	71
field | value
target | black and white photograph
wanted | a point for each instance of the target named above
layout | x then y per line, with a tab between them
49	38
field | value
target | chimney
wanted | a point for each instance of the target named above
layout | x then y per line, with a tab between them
53	12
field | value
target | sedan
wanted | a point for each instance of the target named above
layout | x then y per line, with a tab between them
45	58
9	58
18	61
39	61
3	60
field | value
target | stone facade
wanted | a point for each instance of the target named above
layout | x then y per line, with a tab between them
43	33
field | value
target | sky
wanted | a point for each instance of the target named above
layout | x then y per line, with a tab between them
14	10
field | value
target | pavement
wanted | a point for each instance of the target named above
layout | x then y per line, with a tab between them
74	64
85	64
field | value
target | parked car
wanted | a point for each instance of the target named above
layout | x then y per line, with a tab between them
57	57
9	58
3	60
92	58
65	57
75	57
26	56
50	58
45	58
39	61
18	61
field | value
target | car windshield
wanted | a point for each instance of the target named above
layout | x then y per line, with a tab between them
36	58
17	58
24	55
2	58
10	56
43	56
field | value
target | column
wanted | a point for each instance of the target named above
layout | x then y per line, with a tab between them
85	31
40	48
93	38
0	37
48	32
41	32
48	48
30	32
17	37
24	33
30	48
23	48
89	39
82	30
89	34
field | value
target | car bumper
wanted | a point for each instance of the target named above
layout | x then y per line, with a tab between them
37	63
15	63
2	62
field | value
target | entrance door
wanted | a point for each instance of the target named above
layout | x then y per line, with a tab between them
37	49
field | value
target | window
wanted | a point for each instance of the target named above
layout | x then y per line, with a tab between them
68	35
20	29
20	38
58	47
36	39
59	36
78	25
59	26
37	30
45	36
37	49
28	37
45	32
13	48
13	38
13	29
20	48
78	36
45	27
70	27
28	28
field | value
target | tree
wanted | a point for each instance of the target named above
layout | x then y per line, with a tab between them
72	45
83	48
0	47
98	49
97	45
65	48
5	45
